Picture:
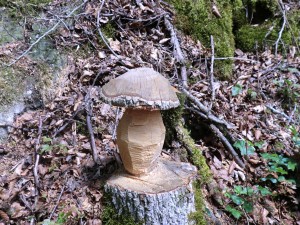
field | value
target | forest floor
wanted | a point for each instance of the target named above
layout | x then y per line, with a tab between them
47	172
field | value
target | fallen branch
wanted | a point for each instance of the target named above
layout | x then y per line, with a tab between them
227	145
46	33
212	86
57	202
36	164
281	6
205	110
278	112
89	113
100	32
177	50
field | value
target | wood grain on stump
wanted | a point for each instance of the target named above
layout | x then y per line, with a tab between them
163	196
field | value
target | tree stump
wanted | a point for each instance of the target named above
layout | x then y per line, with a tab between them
162	197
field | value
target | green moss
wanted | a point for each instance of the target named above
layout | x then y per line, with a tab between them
195	18
110	216
10	84
172	118
19	8
196	156
198	217
248	35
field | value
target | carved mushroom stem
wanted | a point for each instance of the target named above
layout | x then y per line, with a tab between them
140	138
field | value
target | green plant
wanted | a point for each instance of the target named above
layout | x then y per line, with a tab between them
48	146
278	167
295	135
288	90
236	89
243	198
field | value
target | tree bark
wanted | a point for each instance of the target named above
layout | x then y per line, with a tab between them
163	196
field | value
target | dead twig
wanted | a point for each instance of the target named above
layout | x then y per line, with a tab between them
281	6
57	202
205	110
46	33
228	146
177	50
89	113
36	164
212	86
100	32
278	112
114	136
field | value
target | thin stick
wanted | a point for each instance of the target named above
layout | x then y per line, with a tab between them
213	94
228	146
177	50
282	27
89	113
45	34
205	110
278	112
57	202
114	136
37	159
100	32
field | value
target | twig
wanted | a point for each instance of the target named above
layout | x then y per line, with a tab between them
45	34
212	86
229	147
57	202
177	50
68	122
37	159
282	27
292	114
88	108
100	32
116	125
205	110
278	112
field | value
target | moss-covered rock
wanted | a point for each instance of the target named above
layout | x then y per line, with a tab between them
197	19
266	34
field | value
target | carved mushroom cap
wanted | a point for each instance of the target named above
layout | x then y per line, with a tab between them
141	88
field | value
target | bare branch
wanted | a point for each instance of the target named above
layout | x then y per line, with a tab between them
177	50
212	86
100	32
57	202
205	110
282	27
36	164
227	145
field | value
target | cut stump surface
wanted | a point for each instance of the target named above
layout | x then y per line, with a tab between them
163	196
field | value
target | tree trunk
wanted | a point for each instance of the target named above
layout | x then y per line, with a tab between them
163	196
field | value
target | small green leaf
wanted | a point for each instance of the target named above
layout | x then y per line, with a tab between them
47	140
264	191
259	144
236	90
46	148
291	165
246	148
236	213
248	206
237	200
281	178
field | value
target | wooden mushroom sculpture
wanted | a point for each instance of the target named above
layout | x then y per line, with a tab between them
141	132
163	192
